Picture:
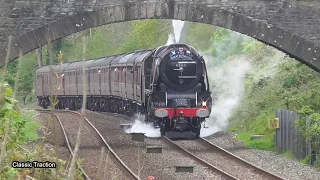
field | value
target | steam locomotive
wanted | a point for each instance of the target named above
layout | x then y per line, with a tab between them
168	84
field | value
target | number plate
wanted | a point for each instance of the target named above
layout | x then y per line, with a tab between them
181	102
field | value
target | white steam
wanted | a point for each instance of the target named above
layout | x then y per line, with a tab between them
139	126
177	29
227	85
170	39
209	130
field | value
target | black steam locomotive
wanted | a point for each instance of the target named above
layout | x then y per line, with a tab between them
168	84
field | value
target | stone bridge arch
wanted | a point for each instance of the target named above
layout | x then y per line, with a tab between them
290	26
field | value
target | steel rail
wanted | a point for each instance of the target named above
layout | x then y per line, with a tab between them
240	160
65	135
201	161
116	159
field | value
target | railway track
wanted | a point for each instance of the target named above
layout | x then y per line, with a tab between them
220	160
124	168
265	174
65	136
199	160
222	164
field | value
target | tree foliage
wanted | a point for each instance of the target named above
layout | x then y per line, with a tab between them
146	34
198	36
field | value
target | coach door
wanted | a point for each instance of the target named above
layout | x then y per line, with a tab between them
42	84
64	89
138	83
103	81
122	83
129	82
98	85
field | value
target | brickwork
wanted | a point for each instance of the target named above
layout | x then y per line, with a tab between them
292	26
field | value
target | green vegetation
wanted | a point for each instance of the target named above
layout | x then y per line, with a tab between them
17	130
199	36
288	155
312	132
276	81
26	78
265	143
306	160
289	82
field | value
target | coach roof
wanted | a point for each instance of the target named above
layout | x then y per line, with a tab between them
44	69
116	60
125	58
102	62
141	57
74	66
78	65
60	67
55	68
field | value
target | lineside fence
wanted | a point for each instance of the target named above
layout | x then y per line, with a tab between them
289	138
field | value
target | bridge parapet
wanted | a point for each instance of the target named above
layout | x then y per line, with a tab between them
290	25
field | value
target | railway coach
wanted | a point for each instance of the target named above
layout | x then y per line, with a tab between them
168	84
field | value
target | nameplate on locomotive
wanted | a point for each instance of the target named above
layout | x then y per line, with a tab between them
181	102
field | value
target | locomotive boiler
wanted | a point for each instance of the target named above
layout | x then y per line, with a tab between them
168	84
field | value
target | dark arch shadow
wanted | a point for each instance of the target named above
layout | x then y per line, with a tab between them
295	46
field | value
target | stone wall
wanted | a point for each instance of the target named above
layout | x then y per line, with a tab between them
290	25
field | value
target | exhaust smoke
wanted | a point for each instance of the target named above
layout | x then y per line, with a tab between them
174	37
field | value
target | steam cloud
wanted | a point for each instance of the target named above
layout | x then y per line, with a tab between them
227	83
170	39
227	86
139	126
226	79
174	37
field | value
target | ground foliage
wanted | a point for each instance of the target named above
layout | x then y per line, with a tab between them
22	129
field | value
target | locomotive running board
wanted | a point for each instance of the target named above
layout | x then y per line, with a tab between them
154	149
188	169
